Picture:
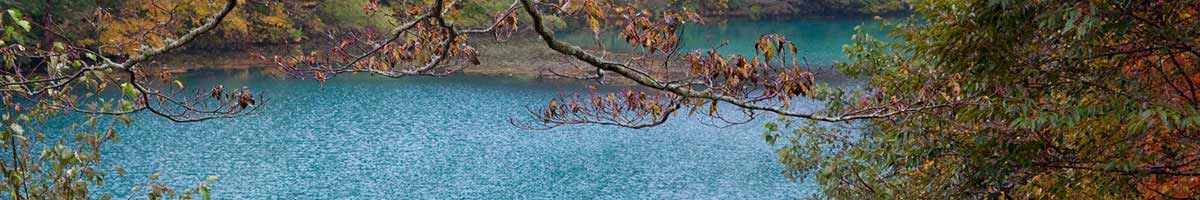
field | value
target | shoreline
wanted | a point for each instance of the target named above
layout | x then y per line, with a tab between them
522	56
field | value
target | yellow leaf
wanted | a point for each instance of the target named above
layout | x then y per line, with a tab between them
712	108
594	24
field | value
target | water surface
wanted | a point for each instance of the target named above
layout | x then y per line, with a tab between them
366	138
362	137
819	41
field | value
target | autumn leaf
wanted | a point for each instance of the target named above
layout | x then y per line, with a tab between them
594	24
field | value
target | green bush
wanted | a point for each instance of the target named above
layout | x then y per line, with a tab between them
349	14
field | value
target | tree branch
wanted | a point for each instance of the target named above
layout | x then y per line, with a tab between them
683	90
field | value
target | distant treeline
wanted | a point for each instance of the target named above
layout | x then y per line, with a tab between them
794	8
99	22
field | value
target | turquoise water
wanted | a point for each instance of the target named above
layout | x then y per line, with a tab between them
368	138
362	137
817	40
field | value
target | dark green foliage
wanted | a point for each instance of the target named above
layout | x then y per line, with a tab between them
1050	99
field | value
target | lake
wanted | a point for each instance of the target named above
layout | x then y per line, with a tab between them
363	137
818	40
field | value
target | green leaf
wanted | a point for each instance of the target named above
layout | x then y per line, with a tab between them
24	25
129	90
126	106
205	193
15	14
16	128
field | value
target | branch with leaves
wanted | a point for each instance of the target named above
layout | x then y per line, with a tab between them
426	45
41	81
768	81
71	67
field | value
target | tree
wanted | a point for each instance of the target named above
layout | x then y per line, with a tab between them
119	27
983	99
1066	100
428	40
40	82
765	82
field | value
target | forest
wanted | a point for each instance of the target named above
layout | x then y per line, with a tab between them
586	99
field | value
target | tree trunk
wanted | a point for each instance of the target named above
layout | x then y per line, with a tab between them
47	20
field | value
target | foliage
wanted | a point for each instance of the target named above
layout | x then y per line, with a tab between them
979	99
42	85
427	39
15	27
122	28
803	8
1065	99
352	14
865	6
710	7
